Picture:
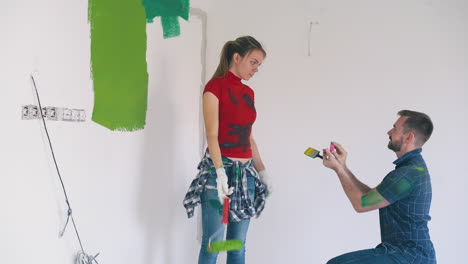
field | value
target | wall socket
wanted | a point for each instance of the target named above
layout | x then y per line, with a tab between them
29	112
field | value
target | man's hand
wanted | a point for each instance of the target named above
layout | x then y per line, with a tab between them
330	161
340	153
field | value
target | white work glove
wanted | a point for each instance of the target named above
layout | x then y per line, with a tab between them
222	184
266	179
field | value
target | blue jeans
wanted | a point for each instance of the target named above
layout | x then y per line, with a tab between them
211	222
379	255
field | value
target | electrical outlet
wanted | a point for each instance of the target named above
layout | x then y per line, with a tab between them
29	112
25	112
44	112
52	113
34	112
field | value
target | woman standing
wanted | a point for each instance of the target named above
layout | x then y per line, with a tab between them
232	166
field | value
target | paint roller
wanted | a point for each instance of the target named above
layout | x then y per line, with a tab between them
225	245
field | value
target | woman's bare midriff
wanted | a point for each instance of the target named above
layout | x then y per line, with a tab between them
240	159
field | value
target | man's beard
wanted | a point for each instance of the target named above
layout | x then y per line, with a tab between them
395	145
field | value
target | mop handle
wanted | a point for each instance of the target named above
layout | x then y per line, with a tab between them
225	211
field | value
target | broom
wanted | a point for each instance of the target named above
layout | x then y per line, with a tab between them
225	245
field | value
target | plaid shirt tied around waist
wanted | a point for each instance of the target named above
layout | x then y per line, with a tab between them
241	206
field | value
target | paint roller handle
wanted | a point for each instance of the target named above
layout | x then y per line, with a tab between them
225	210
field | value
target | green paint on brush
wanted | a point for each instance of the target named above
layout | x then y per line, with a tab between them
169	11
372	198
118	63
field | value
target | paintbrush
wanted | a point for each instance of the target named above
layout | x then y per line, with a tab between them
313	153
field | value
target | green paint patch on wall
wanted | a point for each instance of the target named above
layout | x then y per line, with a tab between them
118	63
372	198
169	11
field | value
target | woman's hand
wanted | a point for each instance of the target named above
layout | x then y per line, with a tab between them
222	184
266	179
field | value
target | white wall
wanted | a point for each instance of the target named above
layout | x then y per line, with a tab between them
368	60
125	189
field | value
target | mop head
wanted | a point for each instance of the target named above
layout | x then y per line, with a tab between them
226	245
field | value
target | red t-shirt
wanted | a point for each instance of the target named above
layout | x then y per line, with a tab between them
236	114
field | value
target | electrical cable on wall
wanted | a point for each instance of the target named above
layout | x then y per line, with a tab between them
82	257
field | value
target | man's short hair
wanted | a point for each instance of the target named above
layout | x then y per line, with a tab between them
418	123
